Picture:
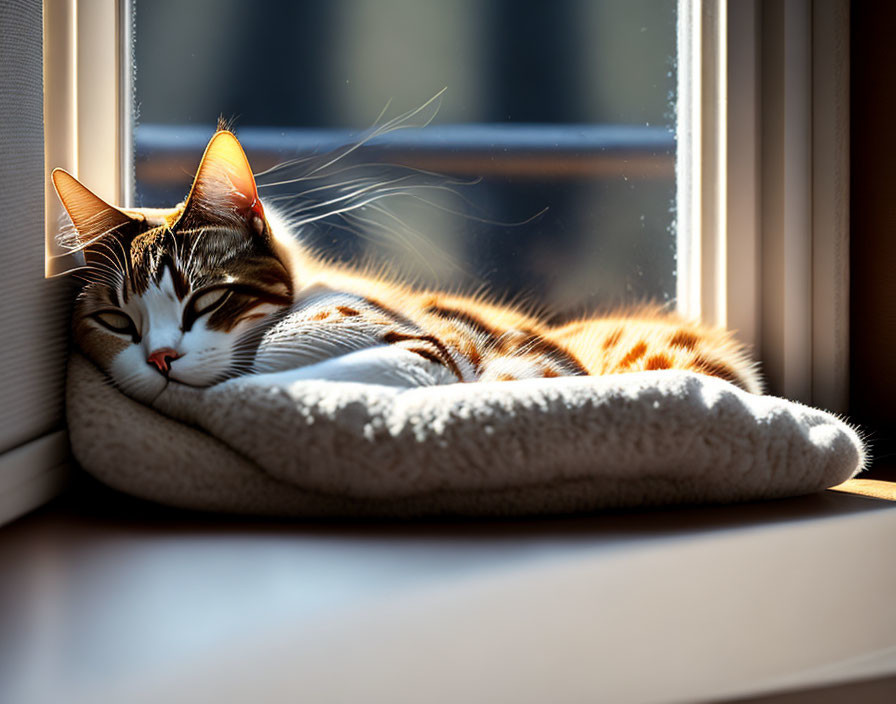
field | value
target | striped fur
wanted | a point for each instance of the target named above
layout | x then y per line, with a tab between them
217	286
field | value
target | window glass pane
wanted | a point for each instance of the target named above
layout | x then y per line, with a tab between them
565	107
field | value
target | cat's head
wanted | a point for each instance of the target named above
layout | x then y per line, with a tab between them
175	295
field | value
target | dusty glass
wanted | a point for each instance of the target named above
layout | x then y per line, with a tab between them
553	139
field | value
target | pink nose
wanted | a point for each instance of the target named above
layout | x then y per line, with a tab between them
162	359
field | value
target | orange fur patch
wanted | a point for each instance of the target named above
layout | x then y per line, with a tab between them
634	354
684	338
612	339
658	361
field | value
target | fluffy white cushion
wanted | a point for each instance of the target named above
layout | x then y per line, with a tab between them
320	448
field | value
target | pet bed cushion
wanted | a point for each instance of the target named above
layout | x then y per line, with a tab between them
320	448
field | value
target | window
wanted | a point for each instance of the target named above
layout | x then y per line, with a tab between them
567	112
564	110
760	189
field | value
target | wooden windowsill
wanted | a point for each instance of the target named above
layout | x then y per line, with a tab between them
105	598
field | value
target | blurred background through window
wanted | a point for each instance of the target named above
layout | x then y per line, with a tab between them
562	112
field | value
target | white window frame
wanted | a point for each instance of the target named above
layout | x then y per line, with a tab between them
88	105
87	112
763	184
762	172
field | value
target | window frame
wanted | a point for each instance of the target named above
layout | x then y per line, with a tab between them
88	104
86	111
763	184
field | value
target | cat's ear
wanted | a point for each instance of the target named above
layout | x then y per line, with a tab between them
90	214
224	185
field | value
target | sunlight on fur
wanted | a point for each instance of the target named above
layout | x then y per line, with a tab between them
220	285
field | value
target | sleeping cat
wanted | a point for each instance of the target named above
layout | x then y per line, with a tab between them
218	286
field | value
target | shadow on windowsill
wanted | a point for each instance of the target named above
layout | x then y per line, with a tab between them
91	506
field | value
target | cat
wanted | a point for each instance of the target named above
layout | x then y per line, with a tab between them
218	286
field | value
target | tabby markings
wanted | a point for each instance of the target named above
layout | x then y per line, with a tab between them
634	354
444	356
469	320
657	361
612	339
162	268
685	339
534	344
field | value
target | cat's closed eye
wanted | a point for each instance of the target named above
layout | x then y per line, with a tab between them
206	301
116	321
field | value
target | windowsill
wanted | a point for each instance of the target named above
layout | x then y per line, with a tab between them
121	601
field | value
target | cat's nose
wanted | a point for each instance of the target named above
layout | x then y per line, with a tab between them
162	358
